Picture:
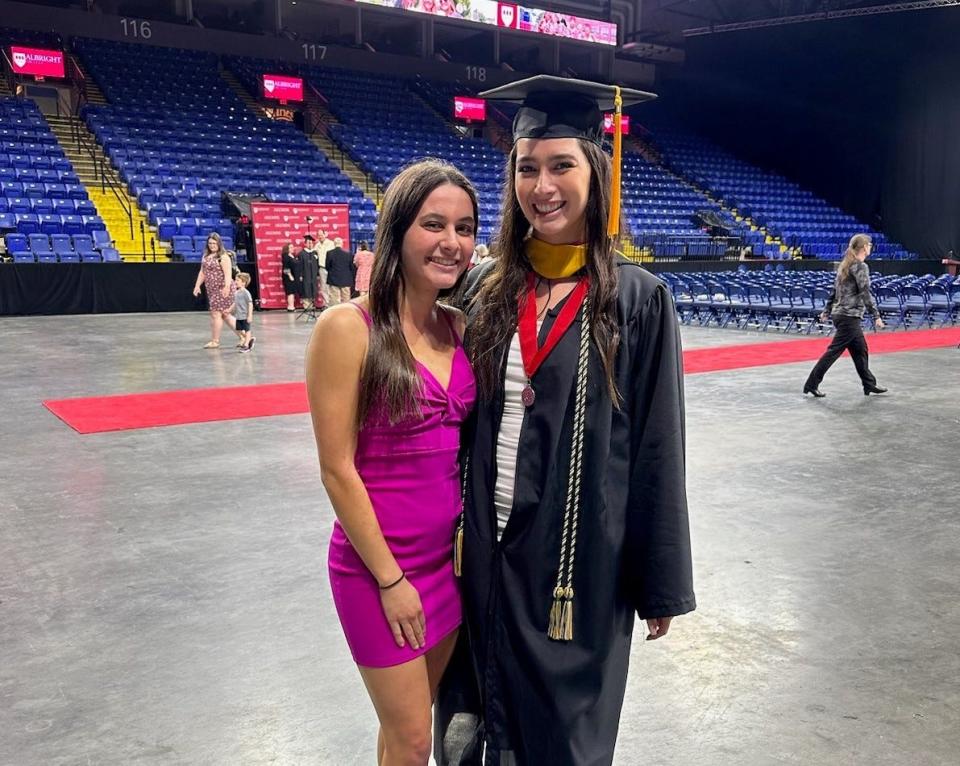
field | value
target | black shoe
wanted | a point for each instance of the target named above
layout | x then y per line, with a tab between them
250	344
814	390
867	390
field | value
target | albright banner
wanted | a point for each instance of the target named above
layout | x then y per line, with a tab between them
282	88
36	61
277	223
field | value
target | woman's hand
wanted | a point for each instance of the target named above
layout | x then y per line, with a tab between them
657	627
823	316
404	612
879	323
225	291
196	291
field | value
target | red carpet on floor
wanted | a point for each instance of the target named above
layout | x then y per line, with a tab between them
786	352
97	414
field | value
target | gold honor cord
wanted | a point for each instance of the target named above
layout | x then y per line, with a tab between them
560	626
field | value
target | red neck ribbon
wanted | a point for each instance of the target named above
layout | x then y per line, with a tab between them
532	355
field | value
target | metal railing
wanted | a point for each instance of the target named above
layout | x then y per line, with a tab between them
679	247
104	173
78	82
8	74
316	122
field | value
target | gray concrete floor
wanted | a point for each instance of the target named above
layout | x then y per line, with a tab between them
164	598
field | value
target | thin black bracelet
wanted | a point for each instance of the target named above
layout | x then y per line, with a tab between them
395	582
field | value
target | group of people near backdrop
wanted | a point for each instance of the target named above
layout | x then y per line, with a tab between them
504	451
322	273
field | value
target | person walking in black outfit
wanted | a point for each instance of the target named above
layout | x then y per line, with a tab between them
850	299
339	273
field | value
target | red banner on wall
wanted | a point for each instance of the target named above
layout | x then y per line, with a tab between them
277	223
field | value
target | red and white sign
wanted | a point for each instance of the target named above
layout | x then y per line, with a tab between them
283	88
36	61
467	108
277	223
507	15
624	123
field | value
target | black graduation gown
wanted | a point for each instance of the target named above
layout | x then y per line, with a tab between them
291	284
558	703
310	268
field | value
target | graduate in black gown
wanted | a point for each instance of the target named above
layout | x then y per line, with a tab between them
575	516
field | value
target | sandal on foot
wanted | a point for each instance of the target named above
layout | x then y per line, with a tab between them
212	344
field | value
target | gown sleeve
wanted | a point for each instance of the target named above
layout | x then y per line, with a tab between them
657	559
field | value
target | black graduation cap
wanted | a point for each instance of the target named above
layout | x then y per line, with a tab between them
308	236
560	107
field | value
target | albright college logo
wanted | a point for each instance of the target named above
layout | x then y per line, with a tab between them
269	85
508	15
19	59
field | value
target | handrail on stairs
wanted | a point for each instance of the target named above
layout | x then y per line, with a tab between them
103	171
8	74
316	122
78	82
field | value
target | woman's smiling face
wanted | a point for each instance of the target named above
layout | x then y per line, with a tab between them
552	181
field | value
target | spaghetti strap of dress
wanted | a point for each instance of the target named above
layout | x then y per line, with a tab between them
363	311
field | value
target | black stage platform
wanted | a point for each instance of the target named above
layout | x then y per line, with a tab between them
115	288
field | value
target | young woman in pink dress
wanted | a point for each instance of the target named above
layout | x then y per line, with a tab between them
389	386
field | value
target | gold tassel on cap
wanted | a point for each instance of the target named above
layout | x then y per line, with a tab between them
613	224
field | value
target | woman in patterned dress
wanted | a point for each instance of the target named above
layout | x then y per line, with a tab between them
216	272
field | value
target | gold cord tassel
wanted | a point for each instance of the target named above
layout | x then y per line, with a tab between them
555	627
567	614
458	549
613	223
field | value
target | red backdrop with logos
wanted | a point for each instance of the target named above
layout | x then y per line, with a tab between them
275	224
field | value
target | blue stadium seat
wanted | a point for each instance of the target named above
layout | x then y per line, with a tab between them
61	245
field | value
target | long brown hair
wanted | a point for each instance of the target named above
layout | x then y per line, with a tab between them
495	319
390	377
857	242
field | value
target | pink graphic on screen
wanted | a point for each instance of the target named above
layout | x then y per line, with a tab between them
507	15
467	108
624	123
512	16
36	61
282	87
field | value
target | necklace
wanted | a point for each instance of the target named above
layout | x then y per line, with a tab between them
542	313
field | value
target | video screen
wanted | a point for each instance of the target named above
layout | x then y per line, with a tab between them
283	87
468	108
36	61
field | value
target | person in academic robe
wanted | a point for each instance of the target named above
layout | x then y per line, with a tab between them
309	270
575	516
